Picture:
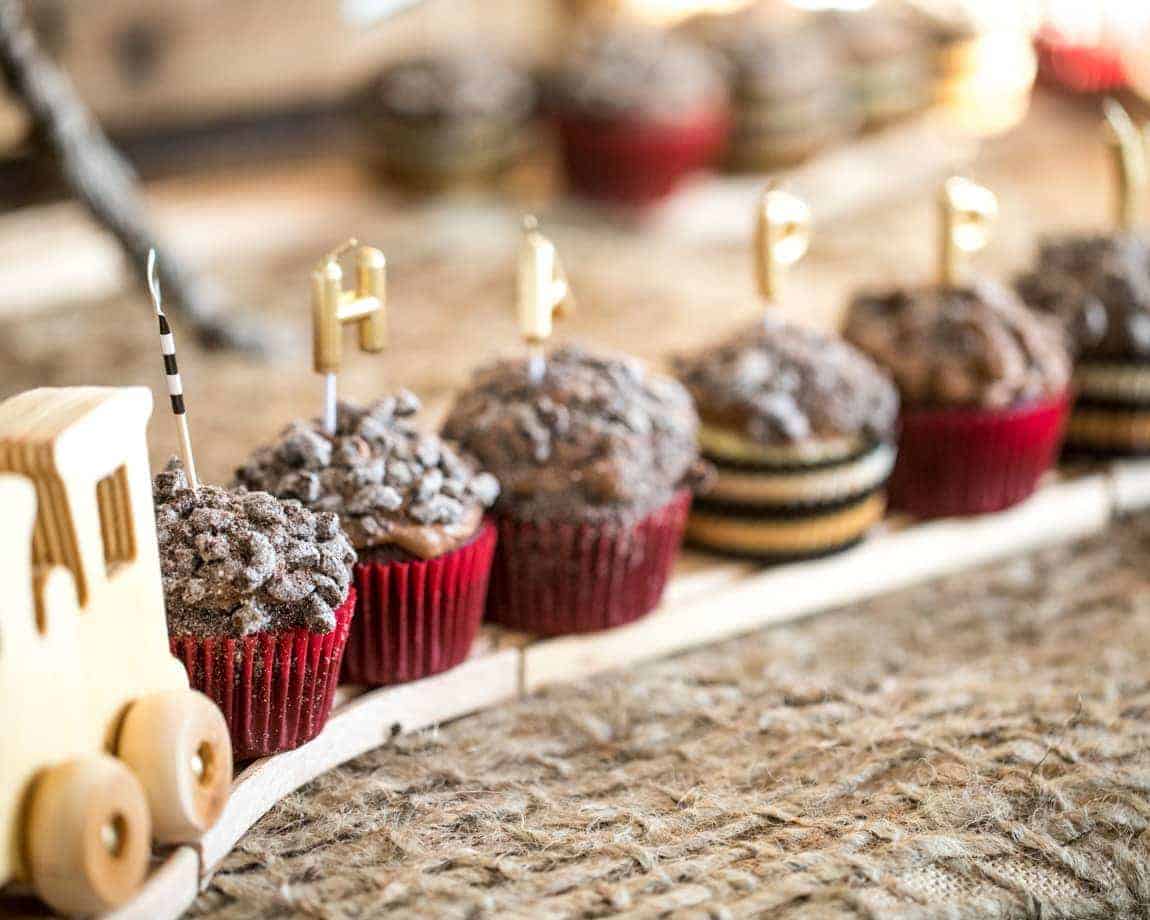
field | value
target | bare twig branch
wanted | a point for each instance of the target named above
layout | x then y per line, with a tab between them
101	178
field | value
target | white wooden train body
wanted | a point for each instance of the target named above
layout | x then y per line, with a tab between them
89	692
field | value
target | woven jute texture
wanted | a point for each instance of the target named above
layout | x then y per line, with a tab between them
976	747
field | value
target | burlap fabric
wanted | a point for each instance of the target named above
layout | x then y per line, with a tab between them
976	747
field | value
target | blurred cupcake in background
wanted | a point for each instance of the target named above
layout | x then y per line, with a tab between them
598	460
984	388
1098	286
637	110
1087	47
1080	68
890	58
984	381
790	96
455	117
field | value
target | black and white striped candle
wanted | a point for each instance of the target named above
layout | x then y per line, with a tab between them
172	374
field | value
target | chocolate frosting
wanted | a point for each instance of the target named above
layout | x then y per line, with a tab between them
597	438
768	55
963	346
626	71
452	86
1099	288
391	485
237	563
879	34
777	383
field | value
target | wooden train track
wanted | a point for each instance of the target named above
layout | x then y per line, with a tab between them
707	601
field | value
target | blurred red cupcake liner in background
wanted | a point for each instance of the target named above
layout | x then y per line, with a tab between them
418	618
1080	68
275	689
974	461
638	163
556	579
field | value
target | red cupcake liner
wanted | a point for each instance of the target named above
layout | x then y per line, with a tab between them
973	461
556	579
1080	68
275	689
415	619
636	162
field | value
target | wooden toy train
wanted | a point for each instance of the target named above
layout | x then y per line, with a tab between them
105	748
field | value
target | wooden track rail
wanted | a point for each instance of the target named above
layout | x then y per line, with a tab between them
707	601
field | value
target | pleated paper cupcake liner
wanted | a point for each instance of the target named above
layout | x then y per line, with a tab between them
415	619
555	579
275	689
434	157
638	163
973	461
1081	68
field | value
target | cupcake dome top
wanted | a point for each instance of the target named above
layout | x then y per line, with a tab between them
880	34
597	438
626	71
391	485
975	346
1099	288
236	563
450	86
776	383
769	54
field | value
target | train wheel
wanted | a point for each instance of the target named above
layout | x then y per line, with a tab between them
177	743
88	835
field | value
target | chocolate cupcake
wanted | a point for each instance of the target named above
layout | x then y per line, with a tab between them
800	428
890	58
259	601
984	388
1098	287
789	92
637	110
597	459
449	118
413	507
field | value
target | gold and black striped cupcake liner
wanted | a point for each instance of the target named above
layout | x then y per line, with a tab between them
436	156
769	133
792	510
1111	416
